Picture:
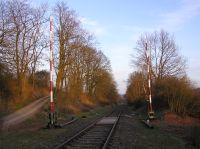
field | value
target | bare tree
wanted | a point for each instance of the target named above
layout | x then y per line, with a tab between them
4	21
22	42
79	66
165	59
66	31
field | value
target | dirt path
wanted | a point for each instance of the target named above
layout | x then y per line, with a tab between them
24	113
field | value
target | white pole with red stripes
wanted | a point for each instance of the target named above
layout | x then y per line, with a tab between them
52	107
148	54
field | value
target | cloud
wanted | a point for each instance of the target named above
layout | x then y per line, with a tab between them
93	26
171	20
187	10
87	21
136	31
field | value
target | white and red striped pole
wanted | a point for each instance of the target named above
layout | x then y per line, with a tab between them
148	54
52	108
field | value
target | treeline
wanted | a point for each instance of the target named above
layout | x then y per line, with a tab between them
82	71
171	88
22	42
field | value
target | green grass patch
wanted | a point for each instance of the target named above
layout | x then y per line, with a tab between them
156	139
27	139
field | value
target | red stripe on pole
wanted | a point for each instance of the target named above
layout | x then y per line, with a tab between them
50	65
151	109
148	55
50	23
50	44
51	85
52	107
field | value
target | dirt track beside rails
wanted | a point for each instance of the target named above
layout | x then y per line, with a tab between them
23	114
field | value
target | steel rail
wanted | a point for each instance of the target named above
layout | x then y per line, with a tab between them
81	132
76	135
111	133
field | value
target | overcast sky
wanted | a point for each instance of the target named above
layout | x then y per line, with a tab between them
117	24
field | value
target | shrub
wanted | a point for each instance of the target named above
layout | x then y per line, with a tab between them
175	93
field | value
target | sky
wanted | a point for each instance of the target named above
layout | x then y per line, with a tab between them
118	24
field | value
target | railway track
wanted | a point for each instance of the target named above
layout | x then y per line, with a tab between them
95	136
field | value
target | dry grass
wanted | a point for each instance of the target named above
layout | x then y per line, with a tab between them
73	108
173	118
87	101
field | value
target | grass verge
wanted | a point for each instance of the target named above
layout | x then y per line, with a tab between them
31	135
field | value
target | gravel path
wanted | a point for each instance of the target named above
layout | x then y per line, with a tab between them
23	114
